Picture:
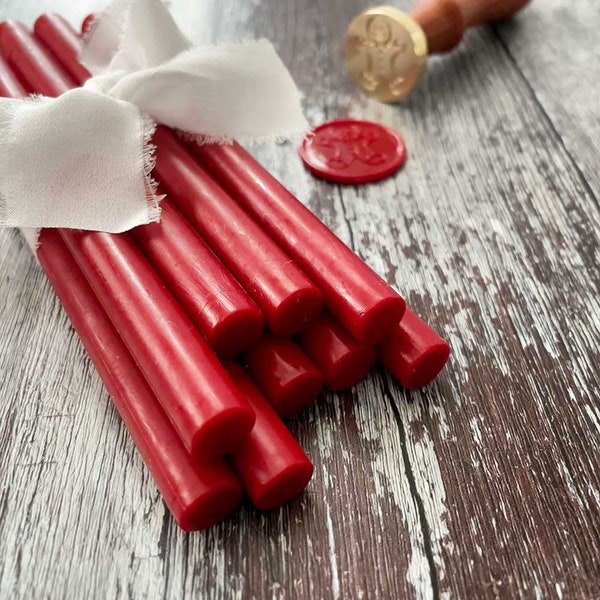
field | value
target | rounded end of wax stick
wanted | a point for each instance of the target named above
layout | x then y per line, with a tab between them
271	464
235	333
283	488
414	354
341	359
285	374
350	369
379	321
223	433
297	394
428	366
211	505
296	312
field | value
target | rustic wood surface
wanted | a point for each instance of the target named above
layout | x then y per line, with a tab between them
484	485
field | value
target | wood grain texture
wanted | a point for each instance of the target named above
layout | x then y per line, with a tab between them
486	484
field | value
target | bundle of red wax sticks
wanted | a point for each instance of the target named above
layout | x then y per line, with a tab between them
228	315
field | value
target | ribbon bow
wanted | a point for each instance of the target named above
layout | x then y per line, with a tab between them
84	160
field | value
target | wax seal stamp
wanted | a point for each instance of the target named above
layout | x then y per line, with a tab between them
386	49
350	151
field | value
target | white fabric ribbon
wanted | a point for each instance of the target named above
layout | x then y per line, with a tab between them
84	161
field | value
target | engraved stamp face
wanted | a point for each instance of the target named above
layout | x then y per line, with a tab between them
382	55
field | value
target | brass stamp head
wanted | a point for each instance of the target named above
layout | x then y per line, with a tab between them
386	53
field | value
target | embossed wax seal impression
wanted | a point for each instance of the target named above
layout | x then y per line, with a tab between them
386	52
350	151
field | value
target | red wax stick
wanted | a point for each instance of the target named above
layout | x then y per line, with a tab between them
198	495
287	298
341	359
354	294
208	412
214	300
205	407
287	377
271	464
414	354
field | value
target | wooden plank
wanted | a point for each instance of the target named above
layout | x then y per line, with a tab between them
556	47
483	486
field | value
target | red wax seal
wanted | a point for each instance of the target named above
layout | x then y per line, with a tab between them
350	151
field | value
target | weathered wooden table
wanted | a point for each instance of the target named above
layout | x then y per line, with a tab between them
484	485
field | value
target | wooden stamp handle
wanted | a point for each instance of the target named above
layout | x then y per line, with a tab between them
445	21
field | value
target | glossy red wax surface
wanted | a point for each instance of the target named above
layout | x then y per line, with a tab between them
10	86
229	320
354	294
205	407
287	377
198	496
286	296
341	359
271	464
31	61
414	354
62	40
